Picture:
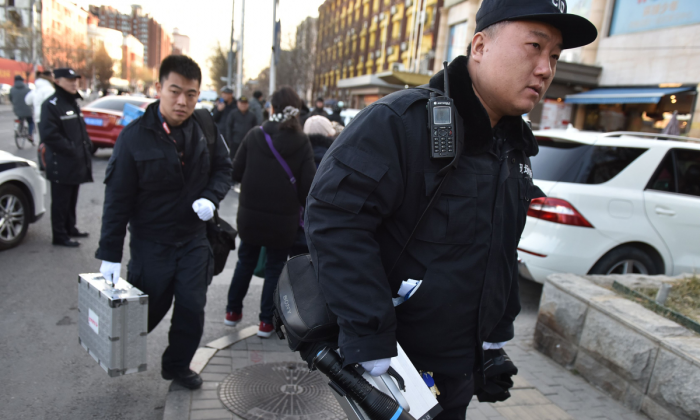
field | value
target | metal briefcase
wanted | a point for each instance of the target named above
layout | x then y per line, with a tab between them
113	324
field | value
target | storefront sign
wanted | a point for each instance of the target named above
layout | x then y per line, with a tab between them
646	15
555	114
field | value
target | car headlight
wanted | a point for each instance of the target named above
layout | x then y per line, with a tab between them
33	164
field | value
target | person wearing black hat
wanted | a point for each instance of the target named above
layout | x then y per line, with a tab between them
224	106
238	123
456	283
68	155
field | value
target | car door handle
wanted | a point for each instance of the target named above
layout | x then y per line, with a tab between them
665	212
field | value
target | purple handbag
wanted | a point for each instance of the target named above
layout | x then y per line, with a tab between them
286	168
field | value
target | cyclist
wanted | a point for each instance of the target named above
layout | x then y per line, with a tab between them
20	107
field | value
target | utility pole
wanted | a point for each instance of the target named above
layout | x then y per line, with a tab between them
239	72
275	46
229	80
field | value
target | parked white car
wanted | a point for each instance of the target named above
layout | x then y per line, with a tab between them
22	190
616	203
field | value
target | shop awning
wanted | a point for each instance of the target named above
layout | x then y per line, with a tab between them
644	95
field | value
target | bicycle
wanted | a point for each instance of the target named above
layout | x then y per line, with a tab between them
21	132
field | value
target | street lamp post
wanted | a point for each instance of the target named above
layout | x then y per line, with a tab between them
239	72
229	79
274	46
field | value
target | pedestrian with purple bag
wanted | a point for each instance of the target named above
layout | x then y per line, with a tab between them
275	167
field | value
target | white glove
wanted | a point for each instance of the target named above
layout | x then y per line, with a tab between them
376	367
204	209
493	346
110	271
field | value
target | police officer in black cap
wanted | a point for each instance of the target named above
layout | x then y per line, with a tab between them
458	277
67	156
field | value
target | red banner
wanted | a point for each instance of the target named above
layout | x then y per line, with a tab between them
10	68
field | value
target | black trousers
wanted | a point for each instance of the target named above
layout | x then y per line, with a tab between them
182	272
455	395
64	199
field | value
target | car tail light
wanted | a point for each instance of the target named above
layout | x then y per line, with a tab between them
557	210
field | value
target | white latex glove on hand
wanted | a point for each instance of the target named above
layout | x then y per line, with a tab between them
204	209
493	346
110	271
376	367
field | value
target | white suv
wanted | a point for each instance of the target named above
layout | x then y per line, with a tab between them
616	203
22	190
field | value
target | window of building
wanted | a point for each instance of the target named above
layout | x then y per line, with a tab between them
458	41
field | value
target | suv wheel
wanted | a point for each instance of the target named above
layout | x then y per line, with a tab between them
14	219
625	260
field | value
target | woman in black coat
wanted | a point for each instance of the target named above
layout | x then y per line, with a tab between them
269	204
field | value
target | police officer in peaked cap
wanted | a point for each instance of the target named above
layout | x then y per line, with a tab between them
458	275
67	156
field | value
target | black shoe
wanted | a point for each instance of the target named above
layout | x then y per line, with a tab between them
187	378
78	234
67	243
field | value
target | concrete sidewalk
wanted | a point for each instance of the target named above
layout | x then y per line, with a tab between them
543	390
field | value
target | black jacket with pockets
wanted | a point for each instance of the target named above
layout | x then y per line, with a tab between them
146	187
369	192
268	208
63	132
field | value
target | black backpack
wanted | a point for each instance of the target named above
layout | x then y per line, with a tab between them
221	235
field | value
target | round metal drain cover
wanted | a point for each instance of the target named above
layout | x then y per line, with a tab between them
277	391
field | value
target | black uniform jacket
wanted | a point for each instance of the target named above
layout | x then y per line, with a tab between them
367	196
62	130
146	186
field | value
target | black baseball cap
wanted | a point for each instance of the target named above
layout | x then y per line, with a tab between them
576	31
243	99
68	73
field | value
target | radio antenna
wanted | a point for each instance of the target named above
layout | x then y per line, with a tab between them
447	81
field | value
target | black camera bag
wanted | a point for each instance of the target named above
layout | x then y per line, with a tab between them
300	305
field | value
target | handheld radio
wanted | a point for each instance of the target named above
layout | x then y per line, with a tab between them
442	122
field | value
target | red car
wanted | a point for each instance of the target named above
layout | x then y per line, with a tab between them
103	118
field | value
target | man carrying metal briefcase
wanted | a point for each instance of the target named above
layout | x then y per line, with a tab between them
165	179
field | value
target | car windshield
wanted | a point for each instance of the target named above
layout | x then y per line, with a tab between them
115	103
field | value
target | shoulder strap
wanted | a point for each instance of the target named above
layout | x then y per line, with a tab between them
280	159
431	203
206	123
427	87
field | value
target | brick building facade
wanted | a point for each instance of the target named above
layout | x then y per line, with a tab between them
366	37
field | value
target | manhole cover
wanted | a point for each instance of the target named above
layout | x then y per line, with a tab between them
280	391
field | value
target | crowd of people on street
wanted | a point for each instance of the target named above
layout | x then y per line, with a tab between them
172	168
